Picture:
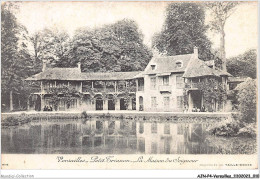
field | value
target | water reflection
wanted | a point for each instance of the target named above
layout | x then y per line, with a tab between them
106	137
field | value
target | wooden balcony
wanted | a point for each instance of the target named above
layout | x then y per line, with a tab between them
191	85
109	90
165	88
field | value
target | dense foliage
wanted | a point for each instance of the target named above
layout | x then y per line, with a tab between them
243	65
247	100
212	91
243	124
15	60
65	93
183	29
114	47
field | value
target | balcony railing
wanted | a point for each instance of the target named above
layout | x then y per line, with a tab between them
108	90
164	88
191	85
59	89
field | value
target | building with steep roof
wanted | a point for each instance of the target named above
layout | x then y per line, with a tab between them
171	83
175	83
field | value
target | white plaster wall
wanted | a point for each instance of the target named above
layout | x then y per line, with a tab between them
148	93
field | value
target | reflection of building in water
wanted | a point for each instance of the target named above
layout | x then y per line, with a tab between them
115	134
107	136
168	138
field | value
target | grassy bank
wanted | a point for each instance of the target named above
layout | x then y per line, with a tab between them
16	119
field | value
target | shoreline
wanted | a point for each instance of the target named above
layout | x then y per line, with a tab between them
20	118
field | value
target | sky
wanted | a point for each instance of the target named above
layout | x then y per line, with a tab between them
241	27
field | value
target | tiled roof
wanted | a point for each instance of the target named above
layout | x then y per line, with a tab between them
139	75
74	74
168	64
110	75
198	68
58	74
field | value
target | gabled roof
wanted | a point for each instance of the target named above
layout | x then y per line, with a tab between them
58	74
168	64
74	74
198	68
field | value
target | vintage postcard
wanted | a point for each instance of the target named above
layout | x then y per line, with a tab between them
129	85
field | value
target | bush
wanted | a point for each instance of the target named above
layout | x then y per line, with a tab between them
236	128
227	129
247	100
249	130
84	114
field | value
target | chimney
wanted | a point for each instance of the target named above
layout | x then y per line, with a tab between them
196	52
44	65
79	66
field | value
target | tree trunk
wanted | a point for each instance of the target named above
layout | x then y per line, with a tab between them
11	100
222	50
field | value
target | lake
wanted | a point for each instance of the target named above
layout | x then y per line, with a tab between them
97	136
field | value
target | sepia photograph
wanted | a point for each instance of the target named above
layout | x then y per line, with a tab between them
125	81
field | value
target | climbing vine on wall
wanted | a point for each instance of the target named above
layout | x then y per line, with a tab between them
65	93
212	90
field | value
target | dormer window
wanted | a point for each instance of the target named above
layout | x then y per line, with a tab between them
179	64
153	67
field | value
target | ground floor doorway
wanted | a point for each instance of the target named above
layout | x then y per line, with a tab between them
195	100
122	104
99	104
111	104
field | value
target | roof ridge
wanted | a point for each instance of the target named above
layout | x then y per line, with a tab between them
175	55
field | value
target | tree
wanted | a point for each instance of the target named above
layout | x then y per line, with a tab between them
243	65
113	47
247	100
16	64
183	29
51	45
220	12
